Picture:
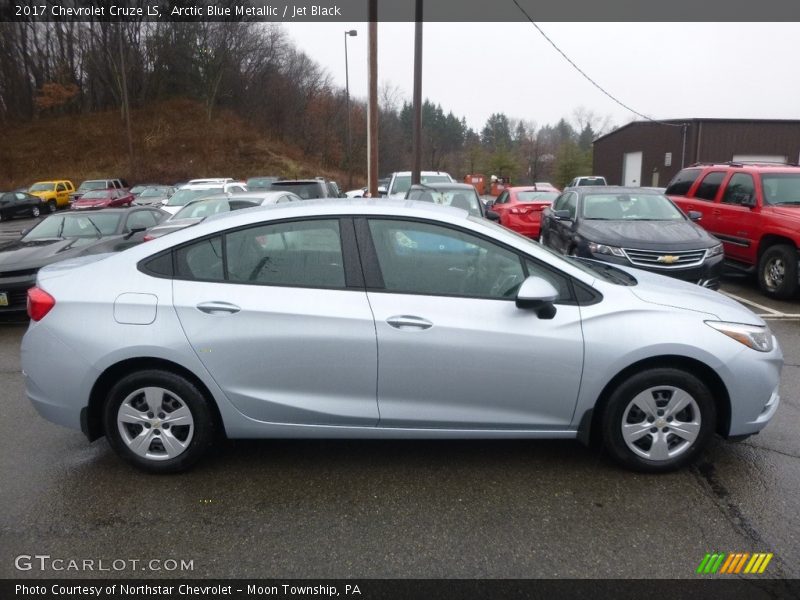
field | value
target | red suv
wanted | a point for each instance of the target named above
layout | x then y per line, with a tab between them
754	209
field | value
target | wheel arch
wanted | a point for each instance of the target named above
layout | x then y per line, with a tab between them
92	419
589	430
774	239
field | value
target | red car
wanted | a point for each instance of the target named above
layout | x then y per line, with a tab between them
520	208
111	198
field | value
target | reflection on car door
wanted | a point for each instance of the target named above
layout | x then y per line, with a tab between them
281	329
454	351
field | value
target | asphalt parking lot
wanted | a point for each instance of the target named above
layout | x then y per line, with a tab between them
344	509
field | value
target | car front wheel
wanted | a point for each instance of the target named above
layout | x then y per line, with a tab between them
158	421
658	420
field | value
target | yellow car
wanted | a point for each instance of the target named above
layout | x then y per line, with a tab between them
55	194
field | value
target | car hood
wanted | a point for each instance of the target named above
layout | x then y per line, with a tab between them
19	255
668	291
647	235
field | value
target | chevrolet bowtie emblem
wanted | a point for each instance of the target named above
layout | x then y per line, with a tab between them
668	259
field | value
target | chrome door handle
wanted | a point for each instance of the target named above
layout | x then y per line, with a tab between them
403	321
218	307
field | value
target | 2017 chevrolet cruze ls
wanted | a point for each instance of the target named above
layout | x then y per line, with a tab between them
355	319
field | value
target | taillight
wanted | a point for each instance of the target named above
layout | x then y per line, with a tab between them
39	303
148	237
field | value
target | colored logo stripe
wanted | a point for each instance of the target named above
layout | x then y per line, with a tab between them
734	563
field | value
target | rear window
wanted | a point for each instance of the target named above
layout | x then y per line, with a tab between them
536	196
709	186
682	182
306	190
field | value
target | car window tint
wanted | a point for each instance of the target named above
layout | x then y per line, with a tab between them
682	182
302	253
740	189
709	186
201	260
61	187
571	204
422	258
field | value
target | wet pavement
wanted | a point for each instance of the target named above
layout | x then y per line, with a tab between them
397	508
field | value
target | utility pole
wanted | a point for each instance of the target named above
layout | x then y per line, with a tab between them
348	33
372	112
125	103
417	134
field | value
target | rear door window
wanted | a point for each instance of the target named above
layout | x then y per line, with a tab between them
709	186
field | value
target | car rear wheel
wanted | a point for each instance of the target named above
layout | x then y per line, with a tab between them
658	420
777	271
158	421
52	206
35	212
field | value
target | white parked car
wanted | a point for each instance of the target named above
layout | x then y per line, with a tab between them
400	182
195	191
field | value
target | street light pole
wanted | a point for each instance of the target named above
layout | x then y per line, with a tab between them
348	33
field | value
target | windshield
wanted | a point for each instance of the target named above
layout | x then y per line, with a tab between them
93	185
536	196
261	183
183	197
402	183
96	195
629	207
153	192
781	189
75	226
42	187
591	181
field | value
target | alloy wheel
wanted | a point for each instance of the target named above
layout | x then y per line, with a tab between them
155	423
661	423
774	273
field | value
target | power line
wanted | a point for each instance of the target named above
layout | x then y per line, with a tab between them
589	79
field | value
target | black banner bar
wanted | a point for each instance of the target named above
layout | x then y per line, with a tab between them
733	588
352	11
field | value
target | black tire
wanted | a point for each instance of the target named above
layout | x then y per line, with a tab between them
2	218
204	425
617	412
35	212
52	206
777	271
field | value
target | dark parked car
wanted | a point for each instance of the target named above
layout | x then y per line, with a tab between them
457	195
154	196
67	235
19	204
633	227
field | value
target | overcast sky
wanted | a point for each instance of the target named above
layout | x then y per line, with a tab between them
664	70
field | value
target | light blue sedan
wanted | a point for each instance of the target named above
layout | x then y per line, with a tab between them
330	319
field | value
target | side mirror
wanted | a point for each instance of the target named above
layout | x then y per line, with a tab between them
381	190
538	295
694	215
562	215
489	202
492	216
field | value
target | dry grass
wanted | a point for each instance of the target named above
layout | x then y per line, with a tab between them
173	141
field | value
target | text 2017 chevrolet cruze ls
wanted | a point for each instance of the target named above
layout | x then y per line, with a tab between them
354	319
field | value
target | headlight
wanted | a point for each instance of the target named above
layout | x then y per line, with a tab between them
603	249
753	336
715	251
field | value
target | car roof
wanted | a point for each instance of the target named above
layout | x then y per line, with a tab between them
202	186
613	189
443	185
747	165
530	188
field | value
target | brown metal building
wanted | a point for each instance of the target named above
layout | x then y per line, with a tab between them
646	153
